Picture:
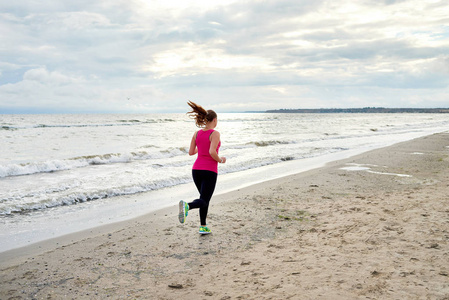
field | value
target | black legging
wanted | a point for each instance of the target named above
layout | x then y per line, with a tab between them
205	183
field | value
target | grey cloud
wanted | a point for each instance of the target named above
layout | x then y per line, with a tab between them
108	50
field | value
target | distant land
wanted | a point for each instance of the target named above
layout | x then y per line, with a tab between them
382	110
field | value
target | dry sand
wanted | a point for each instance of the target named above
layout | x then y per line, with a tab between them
329	233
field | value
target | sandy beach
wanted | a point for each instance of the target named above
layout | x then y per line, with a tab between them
374	226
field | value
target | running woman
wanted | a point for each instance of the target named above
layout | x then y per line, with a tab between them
206	143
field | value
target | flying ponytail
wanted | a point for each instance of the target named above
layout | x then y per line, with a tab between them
201	116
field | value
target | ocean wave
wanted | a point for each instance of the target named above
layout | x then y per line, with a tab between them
255	144
269	143
266	161
164	120
4	127
247	120
9	170
131	122
42	200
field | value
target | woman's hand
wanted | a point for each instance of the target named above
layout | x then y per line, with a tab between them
223	159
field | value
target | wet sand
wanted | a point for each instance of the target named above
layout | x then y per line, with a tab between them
374	226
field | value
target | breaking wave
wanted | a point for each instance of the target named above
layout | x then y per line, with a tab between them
8	170
131	122
39	200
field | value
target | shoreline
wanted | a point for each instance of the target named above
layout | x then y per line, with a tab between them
310	233
16	255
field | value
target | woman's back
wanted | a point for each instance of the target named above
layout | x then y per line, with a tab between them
204	161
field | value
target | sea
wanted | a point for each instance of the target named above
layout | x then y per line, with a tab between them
64	173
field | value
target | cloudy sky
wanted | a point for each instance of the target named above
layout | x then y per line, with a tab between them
153	56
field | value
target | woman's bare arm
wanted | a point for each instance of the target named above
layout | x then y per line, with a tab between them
193	149
215	139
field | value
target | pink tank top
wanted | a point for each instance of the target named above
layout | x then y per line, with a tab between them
204	161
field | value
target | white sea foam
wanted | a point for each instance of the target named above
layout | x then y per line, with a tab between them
390	174
367	168
355	168
83	161
44	199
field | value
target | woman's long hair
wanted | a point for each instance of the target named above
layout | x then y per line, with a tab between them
201	116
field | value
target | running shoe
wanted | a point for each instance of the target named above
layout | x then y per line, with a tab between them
183	211
204	230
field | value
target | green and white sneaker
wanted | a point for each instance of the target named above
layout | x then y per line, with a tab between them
183	211
204	230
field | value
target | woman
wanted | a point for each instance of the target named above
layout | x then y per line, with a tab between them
206	143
